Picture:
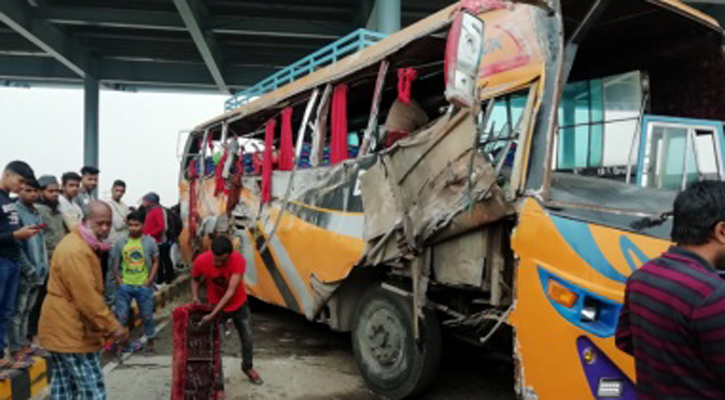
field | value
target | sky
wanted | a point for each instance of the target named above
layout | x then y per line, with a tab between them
139	134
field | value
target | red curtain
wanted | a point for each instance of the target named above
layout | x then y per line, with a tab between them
406	76
339	151
286	148
220	183
267	161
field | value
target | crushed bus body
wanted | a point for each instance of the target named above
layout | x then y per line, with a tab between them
374	196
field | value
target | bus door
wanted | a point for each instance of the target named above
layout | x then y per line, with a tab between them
675	152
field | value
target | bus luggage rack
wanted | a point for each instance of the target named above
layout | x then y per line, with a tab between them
327	55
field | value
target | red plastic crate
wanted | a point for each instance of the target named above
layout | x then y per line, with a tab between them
196	359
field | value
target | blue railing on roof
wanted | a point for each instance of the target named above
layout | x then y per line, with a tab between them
327	55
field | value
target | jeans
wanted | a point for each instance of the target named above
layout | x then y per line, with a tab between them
35	313
18	333
110	289
166	267
144	298
9	277
242	320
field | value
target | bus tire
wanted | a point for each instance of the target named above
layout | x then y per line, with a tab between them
387	355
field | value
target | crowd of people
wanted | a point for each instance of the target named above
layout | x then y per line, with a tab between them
71	267
104	256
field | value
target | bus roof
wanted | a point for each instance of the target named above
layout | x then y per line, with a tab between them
342	68
378	52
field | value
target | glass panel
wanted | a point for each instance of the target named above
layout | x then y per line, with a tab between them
596	101
622	96
618	143
667	157
600	114
707	165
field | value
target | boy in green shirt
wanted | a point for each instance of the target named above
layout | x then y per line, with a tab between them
135	262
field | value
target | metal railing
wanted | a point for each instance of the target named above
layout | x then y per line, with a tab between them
327	55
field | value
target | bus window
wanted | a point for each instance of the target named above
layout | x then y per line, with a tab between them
503	128
191	153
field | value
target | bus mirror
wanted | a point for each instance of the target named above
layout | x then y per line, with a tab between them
464	51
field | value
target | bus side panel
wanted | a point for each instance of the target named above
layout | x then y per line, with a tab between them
298	251
561	353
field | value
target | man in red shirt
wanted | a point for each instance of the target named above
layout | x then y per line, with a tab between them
223	270
155	226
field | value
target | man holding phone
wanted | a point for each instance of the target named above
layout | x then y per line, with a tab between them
33	262
11	231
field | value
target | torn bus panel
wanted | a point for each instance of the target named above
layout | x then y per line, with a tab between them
445	186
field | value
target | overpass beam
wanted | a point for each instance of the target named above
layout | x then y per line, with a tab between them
90	121
15	14
204	40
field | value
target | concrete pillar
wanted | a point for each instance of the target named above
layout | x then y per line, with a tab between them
386	16
90	121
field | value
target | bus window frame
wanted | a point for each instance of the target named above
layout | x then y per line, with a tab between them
692	125
519	168
203	147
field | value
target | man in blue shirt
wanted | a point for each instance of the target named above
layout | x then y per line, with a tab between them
11	231
33	263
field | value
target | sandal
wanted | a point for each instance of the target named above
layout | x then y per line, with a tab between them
111	348
20	357
21	365
5	364
39	353
135	347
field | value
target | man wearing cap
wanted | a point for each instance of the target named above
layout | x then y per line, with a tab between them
155	226
54	232
89	183
33	262
11	231
48	207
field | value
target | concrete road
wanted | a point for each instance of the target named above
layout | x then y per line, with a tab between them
301	360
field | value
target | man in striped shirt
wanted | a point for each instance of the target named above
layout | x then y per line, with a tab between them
673	319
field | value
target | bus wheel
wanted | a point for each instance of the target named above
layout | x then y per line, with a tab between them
388	357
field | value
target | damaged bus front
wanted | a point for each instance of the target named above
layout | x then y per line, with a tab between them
448	180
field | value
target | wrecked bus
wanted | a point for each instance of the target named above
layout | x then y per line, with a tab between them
376	196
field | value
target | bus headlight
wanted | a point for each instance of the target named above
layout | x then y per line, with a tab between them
561	294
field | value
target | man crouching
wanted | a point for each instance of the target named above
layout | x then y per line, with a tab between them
223	269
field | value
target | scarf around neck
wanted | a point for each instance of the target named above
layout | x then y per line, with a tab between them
90	238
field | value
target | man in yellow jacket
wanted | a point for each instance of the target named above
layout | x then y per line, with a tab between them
75	319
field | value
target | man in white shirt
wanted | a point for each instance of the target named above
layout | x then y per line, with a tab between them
120	211
72	212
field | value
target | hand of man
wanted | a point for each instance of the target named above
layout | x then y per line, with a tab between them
119	281
26	232
149	283
196	300
207	319
120	335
